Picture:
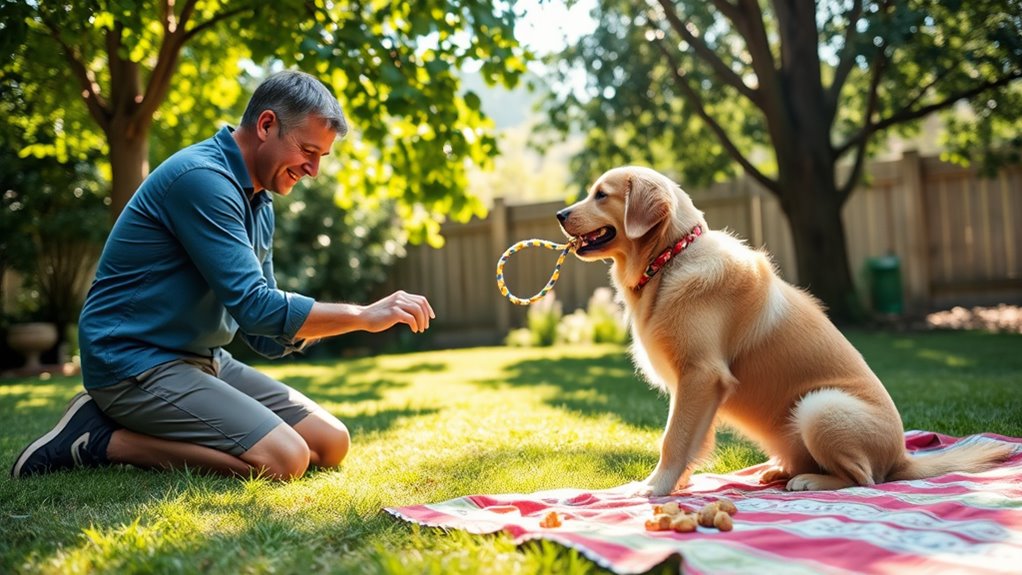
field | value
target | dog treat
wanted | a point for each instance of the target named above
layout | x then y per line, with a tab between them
660	522
669	508
550	520
672	516
727	506
707	514
684	523
723	521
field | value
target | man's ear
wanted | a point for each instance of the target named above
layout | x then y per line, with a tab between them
266	123
647	203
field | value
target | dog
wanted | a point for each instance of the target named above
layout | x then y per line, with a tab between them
727	339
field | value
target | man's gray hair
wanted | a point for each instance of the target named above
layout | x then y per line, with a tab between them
293	96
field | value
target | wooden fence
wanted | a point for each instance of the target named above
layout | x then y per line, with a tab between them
953	231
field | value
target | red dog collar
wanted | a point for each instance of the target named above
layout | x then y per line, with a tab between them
661	260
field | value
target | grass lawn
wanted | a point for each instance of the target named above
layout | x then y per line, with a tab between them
429	427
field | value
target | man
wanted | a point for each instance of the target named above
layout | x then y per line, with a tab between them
187	266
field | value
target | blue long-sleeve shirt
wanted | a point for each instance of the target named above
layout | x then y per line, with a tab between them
187	265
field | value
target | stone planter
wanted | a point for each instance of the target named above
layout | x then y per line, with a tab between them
31	340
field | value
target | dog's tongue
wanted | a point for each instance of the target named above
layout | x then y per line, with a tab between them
593	236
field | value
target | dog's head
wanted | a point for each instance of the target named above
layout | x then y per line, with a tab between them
628	213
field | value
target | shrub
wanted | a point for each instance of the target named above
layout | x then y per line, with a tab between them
606	317
520	337
602	321
543	318
575	328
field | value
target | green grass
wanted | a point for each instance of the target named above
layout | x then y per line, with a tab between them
429	427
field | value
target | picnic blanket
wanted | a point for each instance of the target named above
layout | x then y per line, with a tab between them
966	523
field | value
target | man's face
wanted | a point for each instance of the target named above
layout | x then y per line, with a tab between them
282	160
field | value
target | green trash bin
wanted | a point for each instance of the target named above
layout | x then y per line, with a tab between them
885	284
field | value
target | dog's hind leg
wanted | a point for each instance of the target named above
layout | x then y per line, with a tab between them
845	437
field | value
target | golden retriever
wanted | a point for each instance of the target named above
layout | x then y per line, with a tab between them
716	329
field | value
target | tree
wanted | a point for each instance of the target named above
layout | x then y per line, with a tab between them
104	75
705	87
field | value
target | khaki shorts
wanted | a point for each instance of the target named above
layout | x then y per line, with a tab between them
216	402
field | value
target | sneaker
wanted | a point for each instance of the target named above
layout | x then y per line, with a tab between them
79	439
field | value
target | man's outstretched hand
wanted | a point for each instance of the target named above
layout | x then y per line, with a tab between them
399	307
328	319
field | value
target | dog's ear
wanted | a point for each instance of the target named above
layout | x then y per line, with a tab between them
647	203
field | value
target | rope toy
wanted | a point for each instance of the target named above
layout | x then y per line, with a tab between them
565	248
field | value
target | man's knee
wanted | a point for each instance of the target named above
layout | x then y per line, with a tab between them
326	436
282	454
336	445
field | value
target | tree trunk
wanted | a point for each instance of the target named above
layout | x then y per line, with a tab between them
129	163
806	162
813	207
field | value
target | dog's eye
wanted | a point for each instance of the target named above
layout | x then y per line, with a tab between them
600	194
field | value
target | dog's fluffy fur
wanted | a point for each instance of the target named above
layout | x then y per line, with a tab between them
726	338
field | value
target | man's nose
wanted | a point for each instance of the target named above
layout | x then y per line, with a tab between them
562	216
312	167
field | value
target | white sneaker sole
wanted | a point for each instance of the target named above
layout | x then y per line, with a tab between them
77	402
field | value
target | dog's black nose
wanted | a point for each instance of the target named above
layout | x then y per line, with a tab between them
562	215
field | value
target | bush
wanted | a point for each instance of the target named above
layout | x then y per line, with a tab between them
575	328
602	321
543	318
606	317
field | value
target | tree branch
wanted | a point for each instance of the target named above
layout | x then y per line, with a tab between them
907	115
94	101
697	102
922	91
727	9
750	23
186	14
879	63
225	15
706	54
173	40
847	60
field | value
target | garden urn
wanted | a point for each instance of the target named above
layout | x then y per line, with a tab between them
31	340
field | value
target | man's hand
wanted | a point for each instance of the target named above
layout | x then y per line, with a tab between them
328	319
399	307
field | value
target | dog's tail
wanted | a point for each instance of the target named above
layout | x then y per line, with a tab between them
971	458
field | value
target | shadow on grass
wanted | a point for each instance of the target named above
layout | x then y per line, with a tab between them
428	367
938	351
382	420
958	383
607	385
349	384
142	524
341	389
591	386
147	522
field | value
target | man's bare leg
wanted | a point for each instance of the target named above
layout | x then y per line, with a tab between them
281	454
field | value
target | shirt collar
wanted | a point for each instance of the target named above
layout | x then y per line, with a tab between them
237	166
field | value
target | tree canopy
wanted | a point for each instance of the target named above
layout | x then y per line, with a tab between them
786	91
110	76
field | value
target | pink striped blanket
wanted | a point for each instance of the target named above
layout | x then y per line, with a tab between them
964	523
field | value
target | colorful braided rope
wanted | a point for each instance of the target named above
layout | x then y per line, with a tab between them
565	248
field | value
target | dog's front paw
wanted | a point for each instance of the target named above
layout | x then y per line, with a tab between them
640	489
659	485
632	489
